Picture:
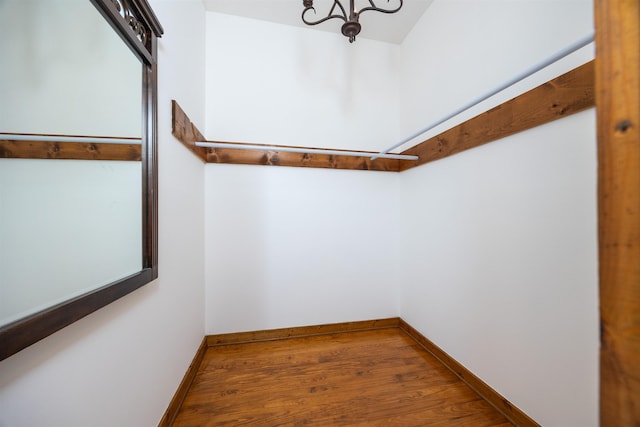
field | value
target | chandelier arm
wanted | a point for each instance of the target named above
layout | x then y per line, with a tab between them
351	27
330	15
337	3
377	9
321	20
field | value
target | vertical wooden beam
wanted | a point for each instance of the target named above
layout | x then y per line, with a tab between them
618	106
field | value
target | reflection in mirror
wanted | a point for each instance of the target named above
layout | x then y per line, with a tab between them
77	82
66	227
69	226
65	71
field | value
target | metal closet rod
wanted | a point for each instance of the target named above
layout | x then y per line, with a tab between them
68	138
303	150
532	70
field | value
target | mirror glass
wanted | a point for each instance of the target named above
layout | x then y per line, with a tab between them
66	226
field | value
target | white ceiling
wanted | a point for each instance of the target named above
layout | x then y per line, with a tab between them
377	26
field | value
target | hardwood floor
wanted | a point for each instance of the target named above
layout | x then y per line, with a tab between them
367	378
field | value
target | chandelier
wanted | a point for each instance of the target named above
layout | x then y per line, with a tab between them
351	27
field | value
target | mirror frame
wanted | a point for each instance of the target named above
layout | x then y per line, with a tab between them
139	28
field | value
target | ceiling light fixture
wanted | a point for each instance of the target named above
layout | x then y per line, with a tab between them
351	27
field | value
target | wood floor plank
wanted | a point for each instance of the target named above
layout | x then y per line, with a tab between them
365	378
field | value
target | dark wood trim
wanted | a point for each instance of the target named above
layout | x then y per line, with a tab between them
618	105
300	331
150	163
69	150
176	402
24	332
508	409
560	97
148	16
185	131
139	11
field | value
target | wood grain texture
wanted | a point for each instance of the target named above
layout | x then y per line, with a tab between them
176	402
301	331
618	106
565	95
379	377
305	160
187	133
69	150
510	411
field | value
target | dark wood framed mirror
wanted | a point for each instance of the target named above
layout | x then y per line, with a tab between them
138	30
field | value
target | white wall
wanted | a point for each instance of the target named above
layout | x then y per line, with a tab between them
500	266
293	247
278	84
290	246
499	243
121	365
